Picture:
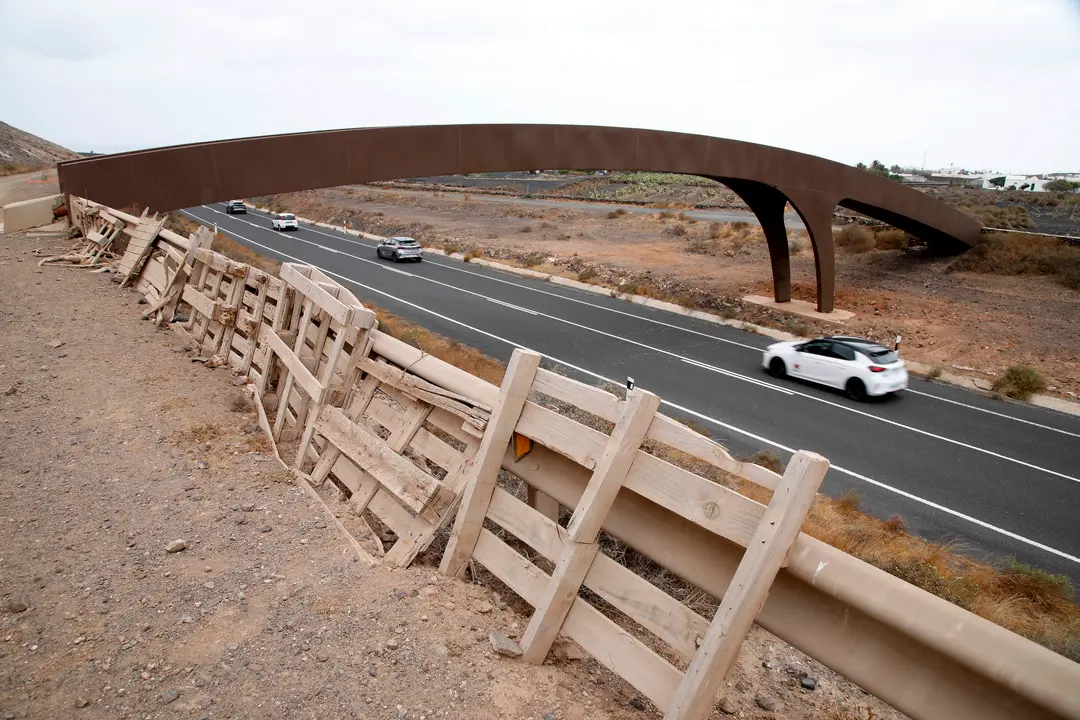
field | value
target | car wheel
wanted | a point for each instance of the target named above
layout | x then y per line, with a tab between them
856	390
777	368
396	258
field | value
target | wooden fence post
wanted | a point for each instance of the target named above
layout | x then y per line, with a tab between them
504	417
764	556
580	547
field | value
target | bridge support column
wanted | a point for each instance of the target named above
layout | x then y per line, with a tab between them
816	210
768	203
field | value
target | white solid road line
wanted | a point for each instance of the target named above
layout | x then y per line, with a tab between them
733	375
670	325
714	421
993	412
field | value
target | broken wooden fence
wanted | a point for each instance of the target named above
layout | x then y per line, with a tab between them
616	462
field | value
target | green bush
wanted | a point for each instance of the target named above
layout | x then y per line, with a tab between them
1020	382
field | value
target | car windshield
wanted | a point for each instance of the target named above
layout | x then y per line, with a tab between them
407	242
287	217
880	355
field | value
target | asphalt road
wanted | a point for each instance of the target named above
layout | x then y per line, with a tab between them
999	479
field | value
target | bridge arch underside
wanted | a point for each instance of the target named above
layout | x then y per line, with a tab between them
766	178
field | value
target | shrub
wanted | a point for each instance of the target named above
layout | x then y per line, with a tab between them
796	245
587	274
451	248
855	239
1012	254
676	230
892	239
1061	185
1020	382
933	374
740	225
716	230
615	214
527	229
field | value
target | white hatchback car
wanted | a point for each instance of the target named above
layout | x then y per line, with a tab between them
284	221
860	367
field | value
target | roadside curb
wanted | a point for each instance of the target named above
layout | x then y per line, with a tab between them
969	383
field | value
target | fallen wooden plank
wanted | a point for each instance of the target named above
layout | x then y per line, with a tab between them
416	489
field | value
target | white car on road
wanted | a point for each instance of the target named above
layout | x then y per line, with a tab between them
284	221
862	368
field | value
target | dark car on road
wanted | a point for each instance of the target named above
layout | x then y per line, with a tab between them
235	206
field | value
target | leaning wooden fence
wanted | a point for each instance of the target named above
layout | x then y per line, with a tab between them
409	440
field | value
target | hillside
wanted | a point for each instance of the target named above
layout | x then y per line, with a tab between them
20	151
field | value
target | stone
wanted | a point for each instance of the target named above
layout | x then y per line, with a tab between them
16	605
503	645
186	347
187	619
637	703
372	670
239	381
248	507
400	594
392	644
766	703
727	707
483	607
809	683
175	546
203	465
169	695
209	585
252	429
56	344
81	703
265	528
12	389
322	656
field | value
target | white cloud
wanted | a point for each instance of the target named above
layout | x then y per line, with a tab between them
977	83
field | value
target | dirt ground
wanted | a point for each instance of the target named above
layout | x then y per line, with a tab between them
978	324
113	444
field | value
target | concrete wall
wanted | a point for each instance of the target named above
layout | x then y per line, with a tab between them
28	214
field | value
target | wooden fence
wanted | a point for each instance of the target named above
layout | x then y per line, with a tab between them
411	440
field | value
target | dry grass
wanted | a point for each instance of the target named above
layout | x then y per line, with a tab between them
1019	382
725	239
242	253
461	356
258	442
16	169
1012	254
198	433
855	239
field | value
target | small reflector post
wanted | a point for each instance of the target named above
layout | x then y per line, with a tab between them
522	446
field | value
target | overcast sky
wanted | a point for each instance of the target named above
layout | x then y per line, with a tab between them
987	84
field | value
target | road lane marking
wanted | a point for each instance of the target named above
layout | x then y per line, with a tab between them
992	412
738	376
702	416
513	307
729	373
